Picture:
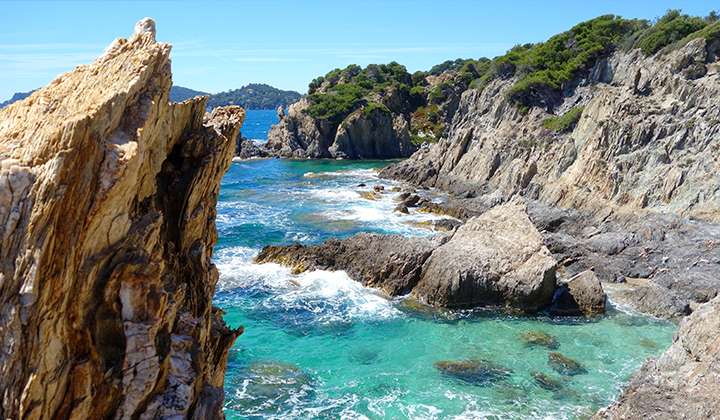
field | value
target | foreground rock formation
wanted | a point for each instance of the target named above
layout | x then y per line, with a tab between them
107	223
495	259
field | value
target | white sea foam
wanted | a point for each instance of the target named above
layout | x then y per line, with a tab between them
345	299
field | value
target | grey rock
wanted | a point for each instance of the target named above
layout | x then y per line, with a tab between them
582	295
684	382
654	300
388	262
493	259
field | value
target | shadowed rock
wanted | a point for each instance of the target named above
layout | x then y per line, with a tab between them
582	295
564	365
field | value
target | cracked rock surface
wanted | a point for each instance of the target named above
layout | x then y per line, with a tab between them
107	227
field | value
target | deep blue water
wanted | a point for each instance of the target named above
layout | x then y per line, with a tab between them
257	124
320	345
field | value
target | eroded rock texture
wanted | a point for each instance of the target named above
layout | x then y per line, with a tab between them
107	223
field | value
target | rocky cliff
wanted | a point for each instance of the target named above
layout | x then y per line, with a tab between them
629	186
378	135
107	223
378	113
645	139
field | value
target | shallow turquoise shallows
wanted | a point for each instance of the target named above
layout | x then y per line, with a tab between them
319	345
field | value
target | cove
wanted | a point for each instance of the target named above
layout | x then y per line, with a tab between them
319	345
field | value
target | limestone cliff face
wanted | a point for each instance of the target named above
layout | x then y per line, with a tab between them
646	140
107	223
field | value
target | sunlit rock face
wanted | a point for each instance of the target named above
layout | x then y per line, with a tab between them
107	224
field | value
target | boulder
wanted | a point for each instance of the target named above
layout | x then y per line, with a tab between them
497	258
654	300
581	295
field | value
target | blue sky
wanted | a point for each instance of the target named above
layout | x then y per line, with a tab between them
223	45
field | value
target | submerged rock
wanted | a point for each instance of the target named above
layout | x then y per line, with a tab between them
564	365
546	382
269	386
107	224
476	372
539	338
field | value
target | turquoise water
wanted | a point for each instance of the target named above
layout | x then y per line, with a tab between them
319	345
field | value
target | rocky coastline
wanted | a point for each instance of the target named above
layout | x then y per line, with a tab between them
626	196
107	208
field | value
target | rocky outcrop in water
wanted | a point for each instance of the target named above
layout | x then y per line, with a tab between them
107	223
495	259
373	136
683	382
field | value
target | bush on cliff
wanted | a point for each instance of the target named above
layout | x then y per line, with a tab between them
543	68
547	65
344	90
565	123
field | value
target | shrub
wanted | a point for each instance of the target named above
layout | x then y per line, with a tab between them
565	123
371	106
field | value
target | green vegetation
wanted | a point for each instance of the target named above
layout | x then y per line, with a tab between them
669	29
255	96
565	123
340	92
543	68
371	106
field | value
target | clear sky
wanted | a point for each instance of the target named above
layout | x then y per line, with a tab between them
223	45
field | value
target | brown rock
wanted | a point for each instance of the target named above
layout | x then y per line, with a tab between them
582	295
107	209
497	258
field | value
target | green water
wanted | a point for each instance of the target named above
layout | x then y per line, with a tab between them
319	345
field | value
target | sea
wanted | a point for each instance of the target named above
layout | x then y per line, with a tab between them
318	345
